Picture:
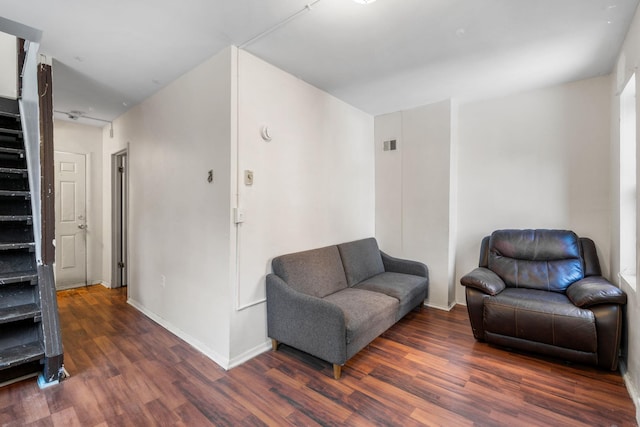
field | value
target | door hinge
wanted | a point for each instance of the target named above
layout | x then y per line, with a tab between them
121	264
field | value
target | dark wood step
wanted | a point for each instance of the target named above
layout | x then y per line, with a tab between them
11	139
20	312
16	171
18	355
10	114
16	245
16	218
12	193
11	131
9	105
8	150
19	276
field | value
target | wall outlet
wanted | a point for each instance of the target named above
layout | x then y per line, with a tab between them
163	280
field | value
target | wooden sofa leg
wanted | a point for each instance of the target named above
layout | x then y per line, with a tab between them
274	345
337	371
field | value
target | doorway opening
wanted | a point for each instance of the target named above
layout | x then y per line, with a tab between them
71	220
120	203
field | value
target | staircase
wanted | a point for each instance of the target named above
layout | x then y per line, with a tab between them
29	330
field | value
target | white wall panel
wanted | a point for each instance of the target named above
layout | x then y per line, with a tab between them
414	192
628	63
313	182
8	66
179	223
538	159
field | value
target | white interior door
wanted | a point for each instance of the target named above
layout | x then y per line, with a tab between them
71	222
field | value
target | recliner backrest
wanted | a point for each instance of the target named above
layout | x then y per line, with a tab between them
548	260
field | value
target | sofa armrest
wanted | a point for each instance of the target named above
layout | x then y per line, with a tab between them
398	265
595	290
484	280
305	322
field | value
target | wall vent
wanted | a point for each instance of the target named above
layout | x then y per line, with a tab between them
390	145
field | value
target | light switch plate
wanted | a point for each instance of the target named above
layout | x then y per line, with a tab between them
248	177
238	215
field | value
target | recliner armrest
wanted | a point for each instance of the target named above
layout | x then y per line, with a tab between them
484	280
398	265
595	290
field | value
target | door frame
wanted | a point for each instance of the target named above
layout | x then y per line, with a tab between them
120	218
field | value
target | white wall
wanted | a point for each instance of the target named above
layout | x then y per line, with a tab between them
87	140
313	183
8	66
415	192
539	159
628	63
30	112
180	224
313	186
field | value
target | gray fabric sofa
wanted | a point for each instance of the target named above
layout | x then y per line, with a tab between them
331	302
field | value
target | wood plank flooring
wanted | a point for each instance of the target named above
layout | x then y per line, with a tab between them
426	370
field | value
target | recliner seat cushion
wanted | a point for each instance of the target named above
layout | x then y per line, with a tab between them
548	260
540	316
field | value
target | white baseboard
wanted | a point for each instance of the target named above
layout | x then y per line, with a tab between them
250	354
223	362
631	388
70	286
440	307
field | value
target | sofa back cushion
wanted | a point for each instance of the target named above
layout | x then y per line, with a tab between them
537	259
317	272
361	260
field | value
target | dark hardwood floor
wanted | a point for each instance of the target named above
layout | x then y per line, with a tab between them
426	370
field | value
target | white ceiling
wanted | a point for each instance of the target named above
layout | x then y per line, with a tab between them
381	57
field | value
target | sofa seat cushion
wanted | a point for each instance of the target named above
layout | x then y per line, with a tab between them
317	272
366	313
408	289
540	316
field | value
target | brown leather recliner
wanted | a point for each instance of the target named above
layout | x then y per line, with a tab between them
542	291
